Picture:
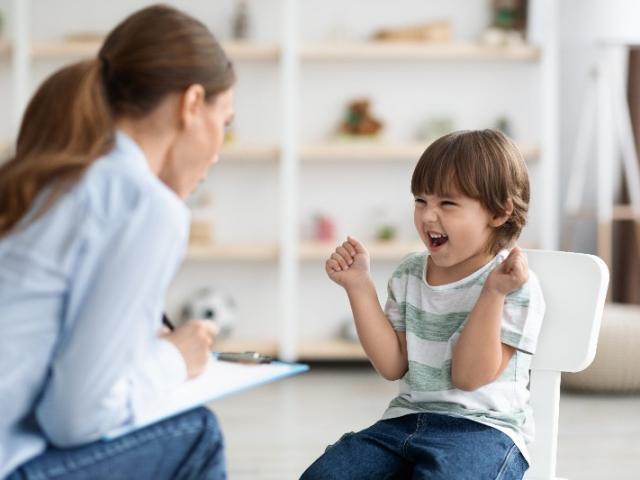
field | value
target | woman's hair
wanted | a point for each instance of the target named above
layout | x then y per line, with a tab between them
70	120
484	165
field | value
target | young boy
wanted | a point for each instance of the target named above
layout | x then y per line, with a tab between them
459	328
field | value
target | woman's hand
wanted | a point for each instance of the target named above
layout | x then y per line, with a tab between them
511	274
194	340
348	265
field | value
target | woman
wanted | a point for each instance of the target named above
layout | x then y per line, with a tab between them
92	229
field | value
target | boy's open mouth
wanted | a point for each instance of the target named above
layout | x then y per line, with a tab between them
437	239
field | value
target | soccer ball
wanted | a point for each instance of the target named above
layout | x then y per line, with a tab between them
210	304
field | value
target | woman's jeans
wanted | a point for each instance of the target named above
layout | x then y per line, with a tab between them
188	446
421	446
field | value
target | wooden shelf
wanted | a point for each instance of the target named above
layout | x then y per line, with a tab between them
380	151
65	48
307	251
237	51
251	51
309	350
241	51
378	251
248	152
361	150
418	51
330	350
235	252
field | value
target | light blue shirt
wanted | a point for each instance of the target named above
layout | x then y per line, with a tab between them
81	297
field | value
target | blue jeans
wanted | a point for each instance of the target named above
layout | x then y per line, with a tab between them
188	446
421	446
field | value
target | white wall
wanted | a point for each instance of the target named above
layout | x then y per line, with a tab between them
404	94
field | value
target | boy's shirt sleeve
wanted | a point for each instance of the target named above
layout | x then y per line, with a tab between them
394	311
522	316
396	306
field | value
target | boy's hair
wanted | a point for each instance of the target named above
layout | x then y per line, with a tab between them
481	164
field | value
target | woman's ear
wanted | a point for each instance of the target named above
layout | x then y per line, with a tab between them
499	220
190	102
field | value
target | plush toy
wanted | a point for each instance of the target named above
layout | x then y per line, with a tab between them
359	120
324	228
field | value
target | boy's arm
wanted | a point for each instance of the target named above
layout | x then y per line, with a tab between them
386	348
479	356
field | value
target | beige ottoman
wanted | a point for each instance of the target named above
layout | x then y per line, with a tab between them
616	367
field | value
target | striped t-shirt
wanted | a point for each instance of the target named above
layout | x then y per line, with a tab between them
433	318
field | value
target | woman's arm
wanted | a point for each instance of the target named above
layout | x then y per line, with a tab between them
386	348
109	358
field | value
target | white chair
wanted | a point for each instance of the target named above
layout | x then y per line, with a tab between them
574	287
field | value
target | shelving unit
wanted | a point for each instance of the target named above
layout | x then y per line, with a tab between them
351	59
284	265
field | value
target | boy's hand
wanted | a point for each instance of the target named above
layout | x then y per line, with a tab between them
511	274
348	265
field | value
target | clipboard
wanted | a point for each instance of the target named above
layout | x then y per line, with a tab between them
220	379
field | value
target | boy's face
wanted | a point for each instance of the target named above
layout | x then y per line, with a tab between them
456	230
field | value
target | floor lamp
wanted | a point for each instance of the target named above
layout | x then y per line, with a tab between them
605	124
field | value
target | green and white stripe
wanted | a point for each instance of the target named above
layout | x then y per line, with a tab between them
433	318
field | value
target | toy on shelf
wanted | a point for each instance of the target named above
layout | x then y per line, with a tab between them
386	233
359	121
431	32
211	304
510	14
241	22
324	228
509	24
503	123
384	229
229	135
434	128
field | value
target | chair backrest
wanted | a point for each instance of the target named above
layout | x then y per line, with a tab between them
574	287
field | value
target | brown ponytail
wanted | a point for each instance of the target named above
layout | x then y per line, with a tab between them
66	125
69	122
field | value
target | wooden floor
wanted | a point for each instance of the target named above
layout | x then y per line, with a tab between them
274	432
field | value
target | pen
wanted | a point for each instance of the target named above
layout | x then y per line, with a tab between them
244	357
240	357
167	323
